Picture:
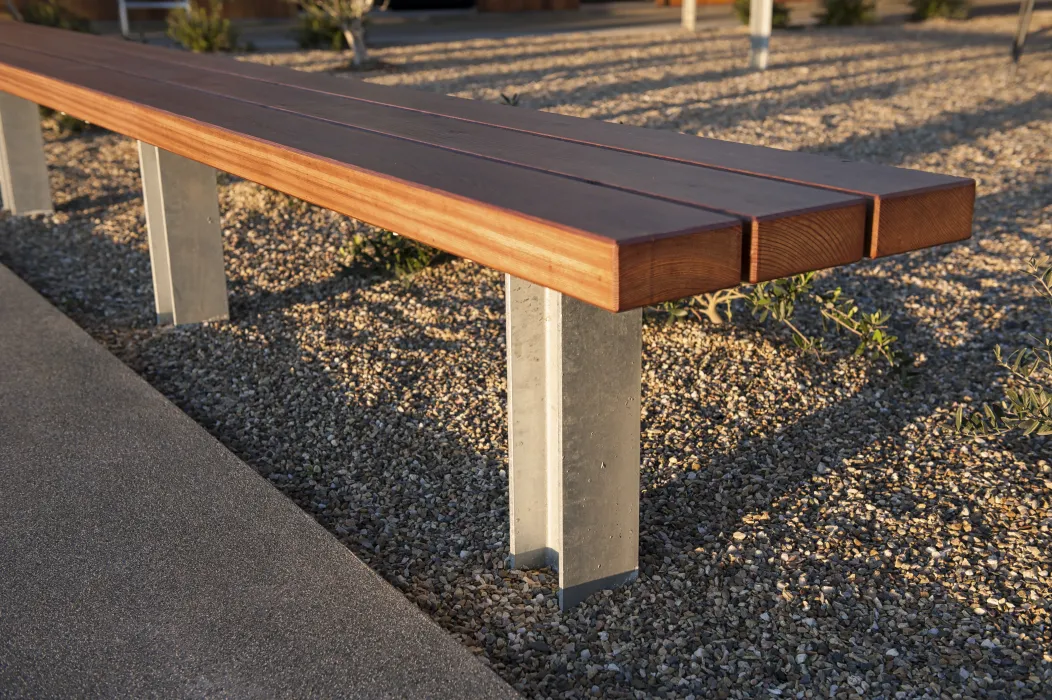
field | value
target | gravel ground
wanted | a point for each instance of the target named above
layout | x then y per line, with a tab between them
809	529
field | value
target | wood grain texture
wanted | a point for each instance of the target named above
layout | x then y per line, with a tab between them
781	246
936	216
878	183
663	269
547	229
768	208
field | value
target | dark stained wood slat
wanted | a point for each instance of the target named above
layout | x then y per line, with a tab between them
609	248
909	209
789	228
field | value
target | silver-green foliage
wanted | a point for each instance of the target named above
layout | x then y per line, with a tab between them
1027	403
202	29
778	301
845	13
930	9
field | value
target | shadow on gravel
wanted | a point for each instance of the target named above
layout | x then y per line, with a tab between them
766	102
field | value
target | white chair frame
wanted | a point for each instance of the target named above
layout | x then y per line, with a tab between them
124	5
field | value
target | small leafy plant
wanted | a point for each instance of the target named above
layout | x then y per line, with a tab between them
202	29
930	9
844	13
1027	403
778	301
50	13
391	254
320	31
779	14
62	123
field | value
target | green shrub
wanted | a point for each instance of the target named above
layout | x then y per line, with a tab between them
202	29
1027	403
843	13
62	123
779	16
778	301
930	9
50	13
390	254
320	31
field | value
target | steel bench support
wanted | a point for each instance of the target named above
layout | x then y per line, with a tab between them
23	168
573	437
186	242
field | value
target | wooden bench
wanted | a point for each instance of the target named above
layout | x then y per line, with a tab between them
585	217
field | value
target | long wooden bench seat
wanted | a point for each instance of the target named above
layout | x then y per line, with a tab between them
572	210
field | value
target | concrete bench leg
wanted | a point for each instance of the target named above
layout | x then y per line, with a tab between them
23	169
573	437
186	243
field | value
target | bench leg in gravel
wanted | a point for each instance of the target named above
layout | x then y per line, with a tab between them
23	168
573	437
186	242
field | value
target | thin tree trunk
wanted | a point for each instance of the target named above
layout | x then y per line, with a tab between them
14	11
355	36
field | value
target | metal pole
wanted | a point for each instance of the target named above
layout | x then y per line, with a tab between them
689	14
1026	11
760	13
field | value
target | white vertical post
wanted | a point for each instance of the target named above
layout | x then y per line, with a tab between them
689	14
23	168
573	435
122	12
186	242
1026	12
760	15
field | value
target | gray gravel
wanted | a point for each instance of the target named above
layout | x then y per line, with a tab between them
809	529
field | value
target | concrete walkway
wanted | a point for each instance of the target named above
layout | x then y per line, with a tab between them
138	557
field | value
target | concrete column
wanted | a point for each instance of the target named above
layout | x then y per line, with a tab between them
760	14
573	436
689	15
186	242
23	168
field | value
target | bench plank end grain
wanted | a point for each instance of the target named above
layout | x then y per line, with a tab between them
790	246
923	220
672	267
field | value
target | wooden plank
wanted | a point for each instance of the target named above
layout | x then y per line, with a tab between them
788	228
947	200
575	237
